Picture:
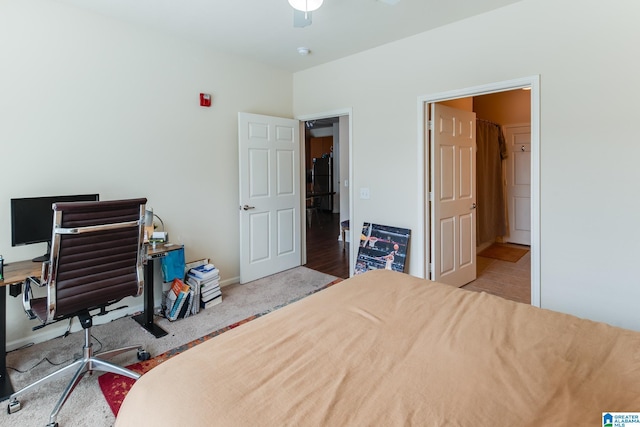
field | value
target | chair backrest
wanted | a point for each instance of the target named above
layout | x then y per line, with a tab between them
96	255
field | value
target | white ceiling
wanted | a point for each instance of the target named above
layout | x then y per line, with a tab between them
263	29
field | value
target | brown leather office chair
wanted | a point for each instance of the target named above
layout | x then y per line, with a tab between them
96	260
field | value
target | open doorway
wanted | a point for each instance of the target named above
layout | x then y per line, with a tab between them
327	201
503	192
474	98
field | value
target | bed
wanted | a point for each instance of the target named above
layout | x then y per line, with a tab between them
388	349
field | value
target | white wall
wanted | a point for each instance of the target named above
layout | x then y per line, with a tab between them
89	104
584	54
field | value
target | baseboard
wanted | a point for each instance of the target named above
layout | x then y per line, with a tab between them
483	246
231	281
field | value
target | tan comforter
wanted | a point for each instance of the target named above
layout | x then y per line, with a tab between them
388	349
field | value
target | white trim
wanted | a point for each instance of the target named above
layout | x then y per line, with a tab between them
423	166
421	237
324	115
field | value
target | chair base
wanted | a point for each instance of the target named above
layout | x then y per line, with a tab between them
86	364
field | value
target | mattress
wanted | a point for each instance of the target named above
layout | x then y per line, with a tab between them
388	349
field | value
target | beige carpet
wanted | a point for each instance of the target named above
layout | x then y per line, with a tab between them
87	406
503	252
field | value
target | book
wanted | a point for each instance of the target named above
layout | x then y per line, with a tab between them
171	296
197	285
202	282
194	305
204	271
181	298
209	296
209	291
169	301
175	309
202	286
185	310
204	279
209	285
211	303
177	286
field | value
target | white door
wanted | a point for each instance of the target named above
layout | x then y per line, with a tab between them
269	159
518	181
453	195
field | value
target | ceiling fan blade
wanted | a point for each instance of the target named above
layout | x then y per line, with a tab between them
301	19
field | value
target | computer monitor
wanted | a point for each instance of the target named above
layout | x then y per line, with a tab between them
32	219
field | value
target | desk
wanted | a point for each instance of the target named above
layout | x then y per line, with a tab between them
145	319
14	272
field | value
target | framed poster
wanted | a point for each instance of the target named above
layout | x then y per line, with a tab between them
382	247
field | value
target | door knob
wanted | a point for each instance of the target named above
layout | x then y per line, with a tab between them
473	206
522	148
247	207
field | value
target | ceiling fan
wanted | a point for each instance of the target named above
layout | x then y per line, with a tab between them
302	10
301	19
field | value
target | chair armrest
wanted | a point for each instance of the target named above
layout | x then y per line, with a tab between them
27	296
44	273
33	280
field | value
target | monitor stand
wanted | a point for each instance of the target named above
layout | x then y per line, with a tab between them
45	257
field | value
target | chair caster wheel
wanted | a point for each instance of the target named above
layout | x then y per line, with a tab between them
143	355
52	425
13	406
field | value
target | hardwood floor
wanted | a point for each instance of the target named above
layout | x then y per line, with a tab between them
324	252
510	280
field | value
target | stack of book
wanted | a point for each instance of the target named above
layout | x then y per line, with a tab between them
179	300
206	279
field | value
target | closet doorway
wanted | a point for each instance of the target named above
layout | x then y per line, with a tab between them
504	156
511	104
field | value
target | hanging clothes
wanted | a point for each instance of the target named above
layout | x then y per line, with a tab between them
491	211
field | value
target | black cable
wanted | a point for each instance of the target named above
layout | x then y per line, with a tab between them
99	342
161	221
46	359
68	331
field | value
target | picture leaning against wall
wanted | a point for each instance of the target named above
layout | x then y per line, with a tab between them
382	247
